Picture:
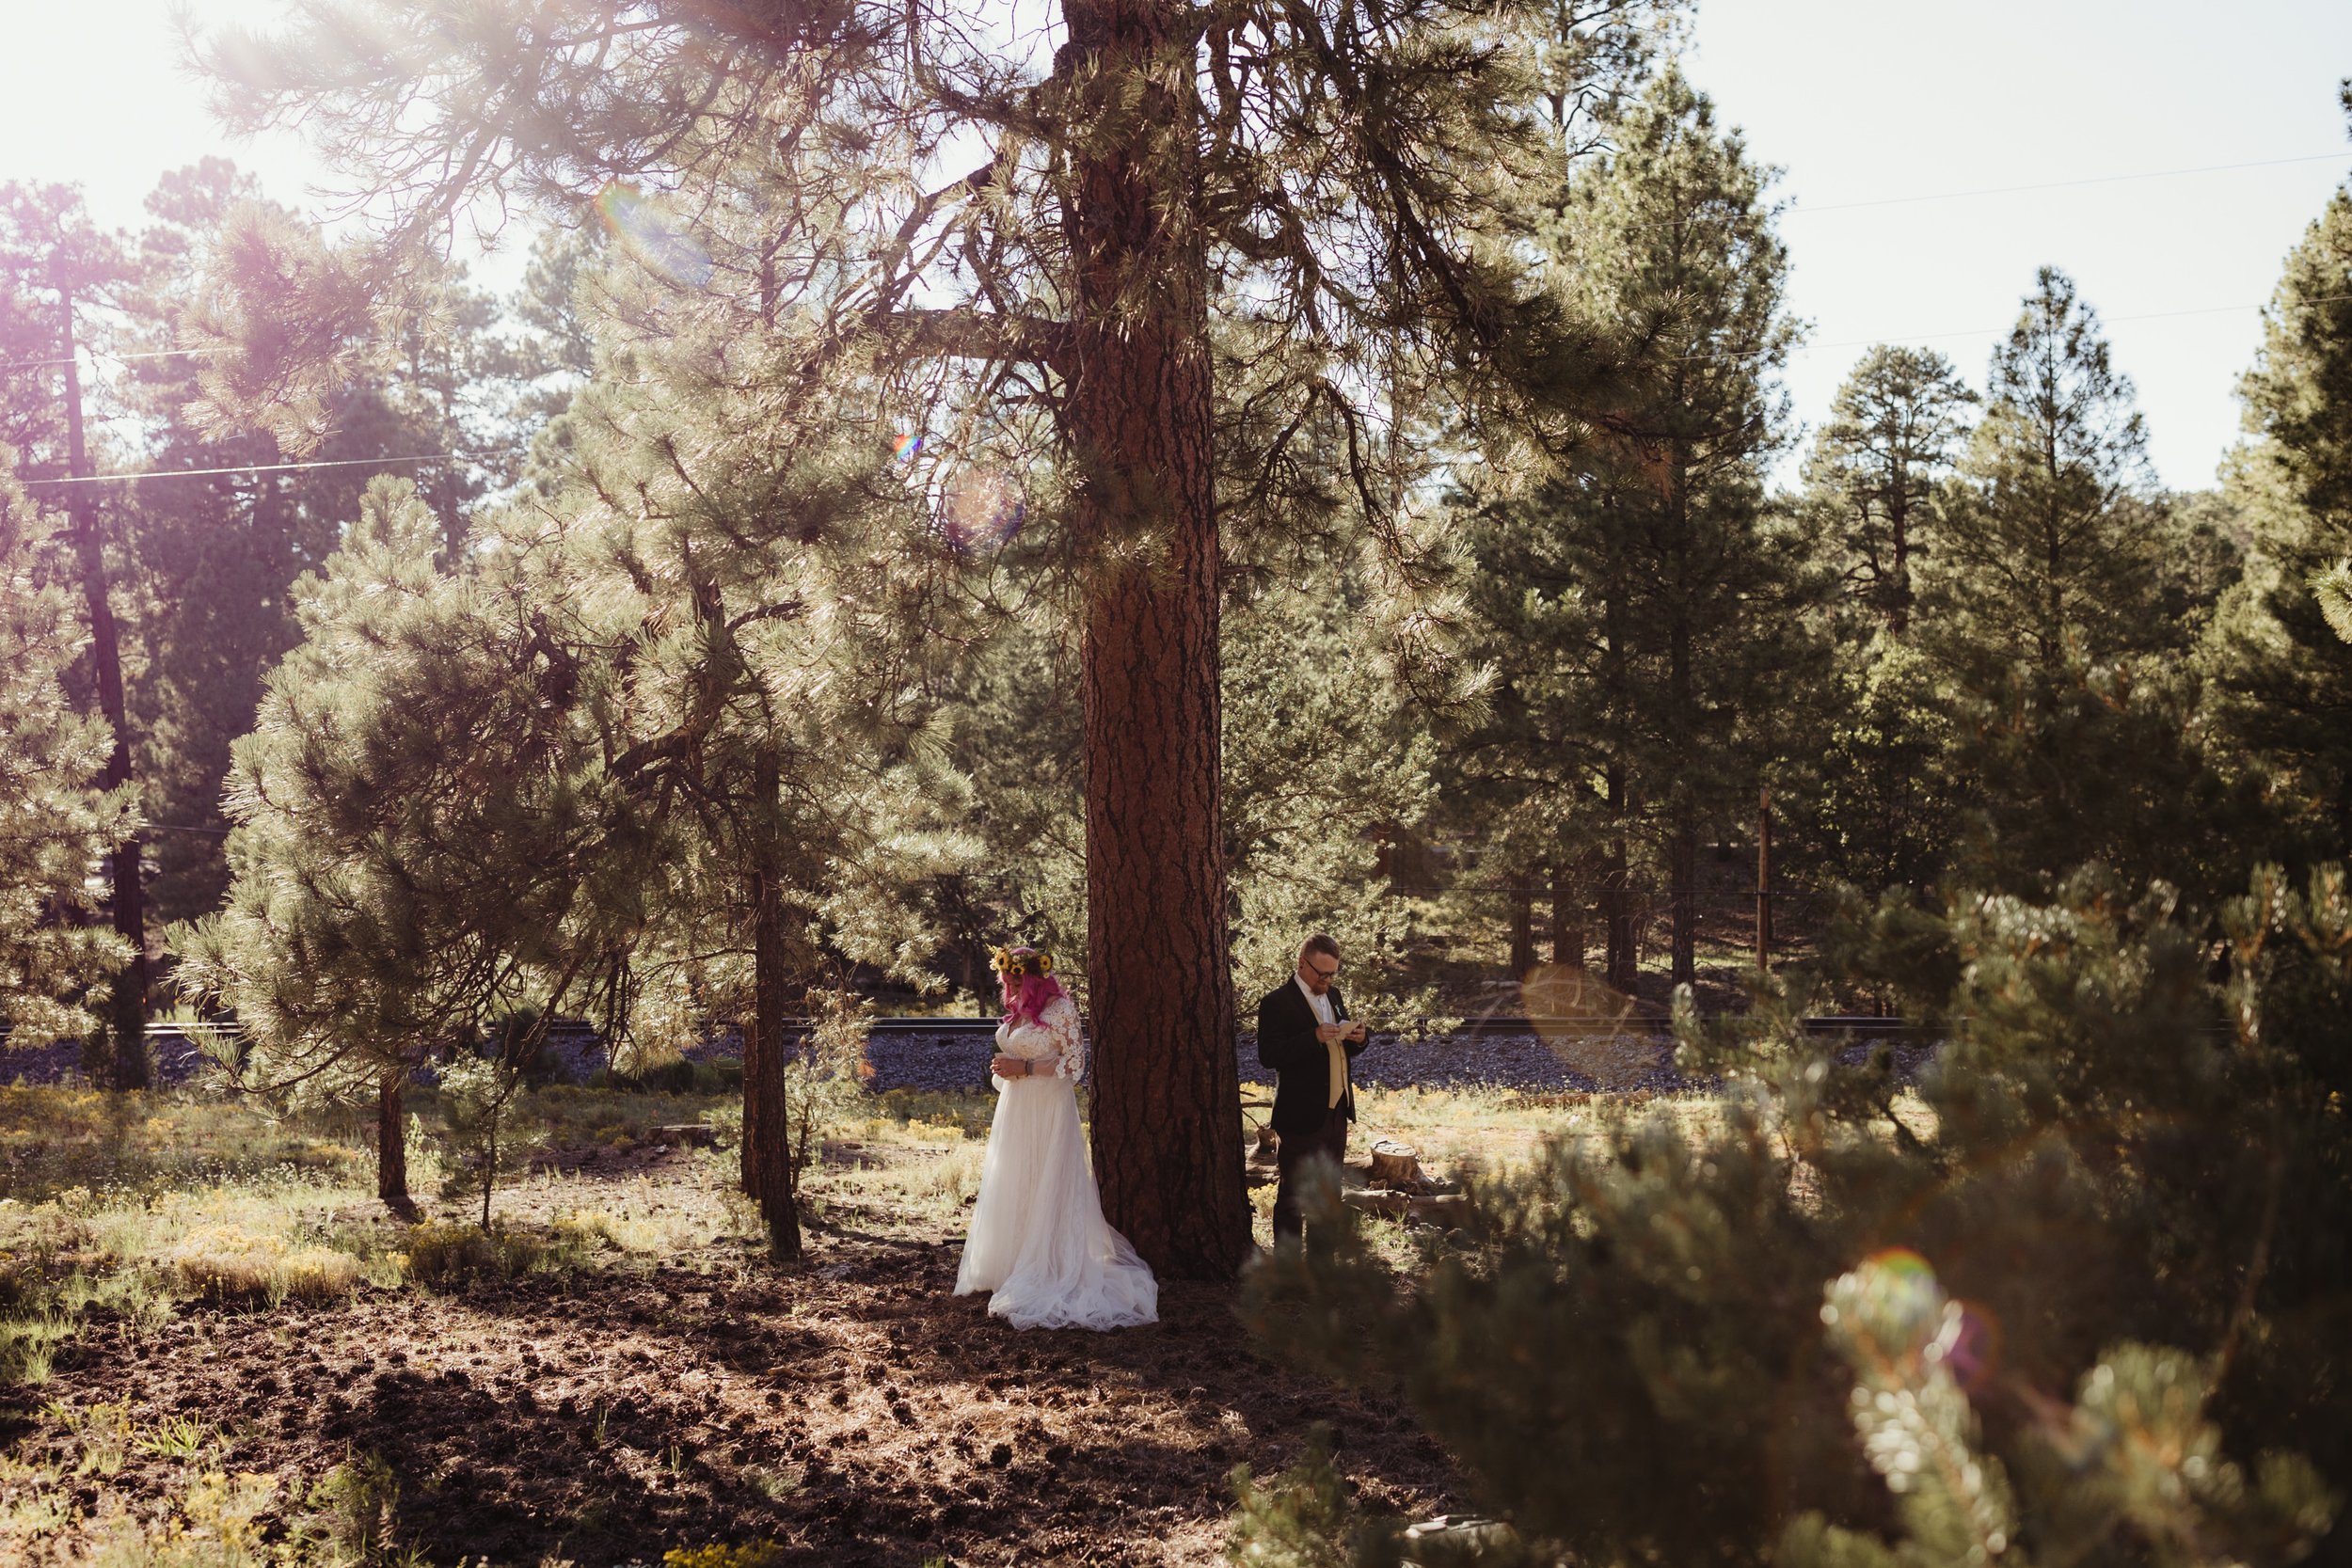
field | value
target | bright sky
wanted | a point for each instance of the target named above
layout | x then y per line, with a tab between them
1859	100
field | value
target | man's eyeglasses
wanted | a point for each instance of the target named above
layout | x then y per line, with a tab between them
1319	971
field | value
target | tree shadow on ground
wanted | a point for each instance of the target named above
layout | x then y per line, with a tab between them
848	1407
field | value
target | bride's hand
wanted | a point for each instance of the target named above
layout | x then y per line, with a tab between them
1009	1067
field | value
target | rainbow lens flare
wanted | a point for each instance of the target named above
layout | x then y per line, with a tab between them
1903	1263
639	224
903	448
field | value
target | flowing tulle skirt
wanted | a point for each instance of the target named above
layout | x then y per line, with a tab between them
1038	1241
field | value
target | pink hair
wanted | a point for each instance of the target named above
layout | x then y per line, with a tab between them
1029	1001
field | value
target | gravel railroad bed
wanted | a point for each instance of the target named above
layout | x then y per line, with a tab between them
915	1059
919	1061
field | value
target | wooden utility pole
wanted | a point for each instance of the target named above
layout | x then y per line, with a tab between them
130	905
1764	877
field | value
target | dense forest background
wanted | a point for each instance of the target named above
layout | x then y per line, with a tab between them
1263	468
1624	687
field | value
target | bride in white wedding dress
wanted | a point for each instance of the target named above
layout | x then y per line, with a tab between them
1038	1241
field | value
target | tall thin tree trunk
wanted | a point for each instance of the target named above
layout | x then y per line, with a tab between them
1621	959
754	1079
391	1144
130	904
1522	925
767	1139
1764	877
1568	920
1683	868
1139	419
1898	518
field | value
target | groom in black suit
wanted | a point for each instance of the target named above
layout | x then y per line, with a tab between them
1305	1035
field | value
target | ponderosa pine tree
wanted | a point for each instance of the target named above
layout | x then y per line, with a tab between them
1342	180
214	557
56	821
55	266
2048	537
1328	763
527	780
427	832
2056	603
1877	464
2284	677
1637	586
1882	809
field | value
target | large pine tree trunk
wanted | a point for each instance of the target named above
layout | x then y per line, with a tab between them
1137	418
130	902
391	1144
1764	877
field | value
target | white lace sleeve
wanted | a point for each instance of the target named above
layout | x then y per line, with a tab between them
1061	1017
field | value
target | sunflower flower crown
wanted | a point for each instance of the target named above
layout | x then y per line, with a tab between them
1014	961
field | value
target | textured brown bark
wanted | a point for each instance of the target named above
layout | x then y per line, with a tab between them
1682	855
129	1011
1682	849
1522	925
1568	921
754	1075
392	1144
1617	902
767	1141
1137	417
1764	877
1898	518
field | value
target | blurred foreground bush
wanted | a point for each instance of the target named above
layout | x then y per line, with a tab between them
2076	1296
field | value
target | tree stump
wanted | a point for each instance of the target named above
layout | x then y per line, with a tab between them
1397	1166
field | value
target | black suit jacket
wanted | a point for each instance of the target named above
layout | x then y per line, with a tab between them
1300	1062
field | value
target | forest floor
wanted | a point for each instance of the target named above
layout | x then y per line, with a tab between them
241	1348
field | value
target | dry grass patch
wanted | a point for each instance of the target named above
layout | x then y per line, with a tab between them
225	1262
55	1138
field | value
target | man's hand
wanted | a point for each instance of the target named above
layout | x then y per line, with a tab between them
1332	1034
1009	1067
1359	1030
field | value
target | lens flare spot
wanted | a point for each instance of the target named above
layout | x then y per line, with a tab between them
1903	1263
1592	1028
651	237
983	512
1974	1348
903	448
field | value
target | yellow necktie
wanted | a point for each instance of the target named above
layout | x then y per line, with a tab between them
1339	1073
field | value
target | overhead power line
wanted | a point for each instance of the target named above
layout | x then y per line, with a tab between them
252	469
1999	331
106	354
1799	207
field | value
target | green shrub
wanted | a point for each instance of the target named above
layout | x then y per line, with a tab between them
436	1253
722	1076
2075	1296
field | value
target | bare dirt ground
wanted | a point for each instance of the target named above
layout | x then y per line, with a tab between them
847	1407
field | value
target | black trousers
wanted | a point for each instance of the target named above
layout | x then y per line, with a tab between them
1328	1142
